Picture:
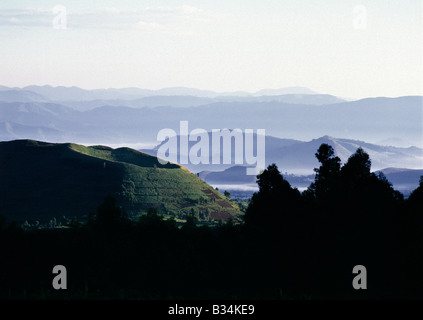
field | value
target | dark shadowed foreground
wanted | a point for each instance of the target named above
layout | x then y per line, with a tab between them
292	246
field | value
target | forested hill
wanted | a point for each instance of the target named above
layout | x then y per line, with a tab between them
41	181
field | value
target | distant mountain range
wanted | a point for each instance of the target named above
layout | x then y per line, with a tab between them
84	100
298	157
403	180
21	95
43	181
61	93
180	101
378	119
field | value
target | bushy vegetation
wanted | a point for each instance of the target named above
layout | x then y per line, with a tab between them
292	245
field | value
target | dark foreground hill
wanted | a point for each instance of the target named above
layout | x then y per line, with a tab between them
42	181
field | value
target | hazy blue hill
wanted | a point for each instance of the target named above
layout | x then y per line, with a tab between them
42	115
25	111
183	91
4	88
173	101
377	119
61	93
404	180
232	175
194	101
40	181
73	93
281	91
311	99
298	157
272	144
19	95
235	178
13	131
82	100
151	101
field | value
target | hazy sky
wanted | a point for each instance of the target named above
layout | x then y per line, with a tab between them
346	48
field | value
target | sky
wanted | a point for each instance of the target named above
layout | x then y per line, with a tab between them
348	48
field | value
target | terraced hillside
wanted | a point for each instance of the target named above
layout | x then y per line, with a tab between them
40	181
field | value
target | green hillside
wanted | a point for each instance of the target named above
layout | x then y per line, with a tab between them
40	181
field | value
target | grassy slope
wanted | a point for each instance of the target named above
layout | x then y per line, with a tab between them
39	181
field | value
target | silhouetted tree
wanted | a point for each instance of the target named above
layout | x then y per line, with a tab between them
415	200
412	242
326	174
274	200
363	189
357	167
